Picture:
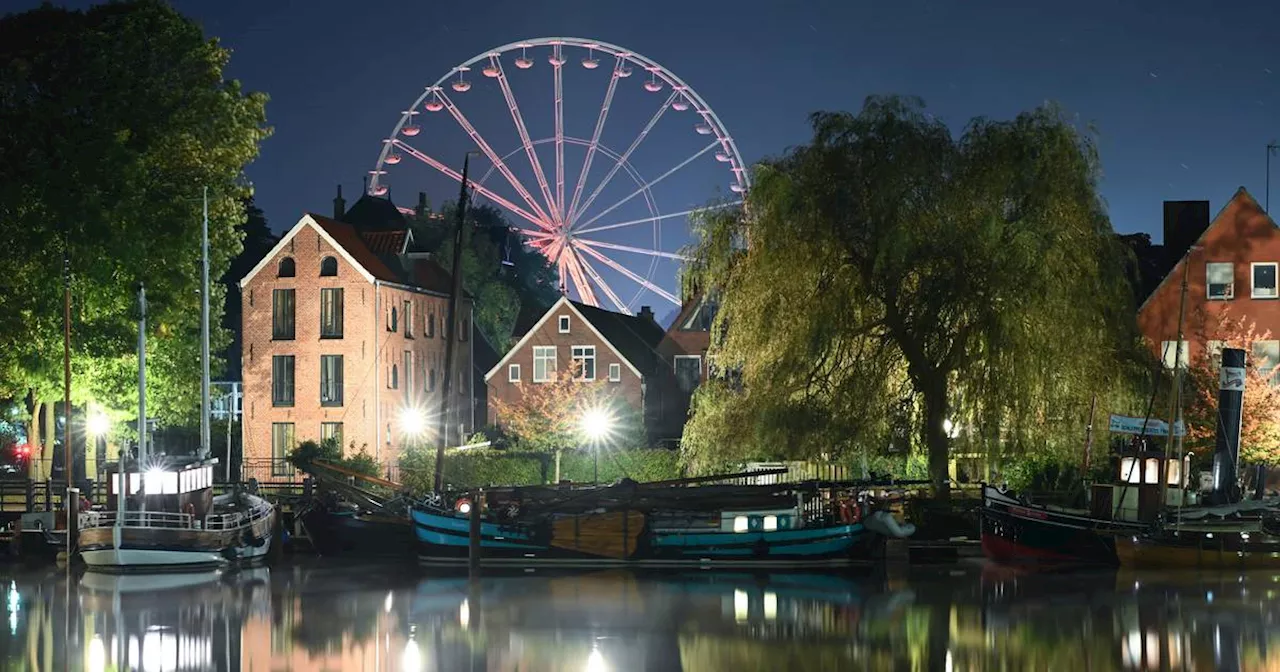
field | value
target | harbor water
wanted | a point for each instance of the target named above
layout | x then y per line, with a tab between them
313	615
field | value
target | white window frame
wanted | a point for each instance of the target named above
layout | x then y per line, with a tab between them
513	373
1213	350
540	354
562	324
675	369
1229	291
1253	288
1168	352
583	353
615	373
1267	368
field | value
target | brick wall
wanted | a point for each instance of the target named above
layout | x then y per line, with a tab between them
368	347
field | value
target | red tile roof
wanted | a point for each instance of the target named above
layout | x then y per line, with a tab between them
385	242
351	241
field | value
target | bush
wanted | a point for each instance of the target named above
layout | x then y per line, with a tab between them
642	465
307	452
487	467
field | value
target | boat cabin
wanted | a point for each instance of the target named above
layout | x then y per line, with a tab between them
1136	490
174	485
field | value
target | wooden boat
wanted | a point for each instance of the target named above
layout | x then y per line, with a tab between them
344	519
1015	529
795	526
1236	537
176	523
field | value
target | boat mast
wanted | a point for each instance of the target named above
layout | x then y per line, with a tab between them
451	331
204	333
1175	406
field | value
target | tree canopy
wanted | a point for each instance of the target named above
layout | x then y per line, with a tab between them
890	284
112	121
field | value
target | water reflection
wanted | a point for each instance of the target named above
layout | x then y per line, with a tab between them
314	616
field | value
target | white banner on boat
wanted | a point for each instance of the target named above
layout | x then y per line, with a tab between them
1123	424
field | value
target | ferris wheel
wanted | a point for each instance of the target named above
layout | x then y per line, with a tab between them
604	236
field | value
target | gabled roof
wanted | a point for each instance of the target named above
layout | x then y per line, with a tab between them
633	339
386	242
350	240
374	213
1242	197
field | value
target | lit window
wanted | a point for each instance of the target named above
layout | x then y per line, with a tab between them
770	523
1264	281
584	361
615	372
544	363
513	373
740	524
1220	278
1169	350
564	324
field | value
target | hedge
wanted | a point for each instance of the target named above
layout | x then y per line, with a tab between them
485	467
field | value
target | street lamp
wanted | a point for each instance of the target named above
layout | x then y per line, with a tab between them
596	425
413	421
97	425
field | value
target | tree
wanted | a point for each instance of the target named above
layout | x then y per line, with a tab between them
498	270
887	274
1260	423
112	120
548	417
257	244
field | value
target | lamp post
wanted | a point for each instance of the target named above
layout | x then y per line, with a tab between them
96	426
596	425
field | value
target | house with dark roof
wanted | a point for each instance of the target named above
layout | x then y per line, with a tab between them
344	338
620	350
1230	266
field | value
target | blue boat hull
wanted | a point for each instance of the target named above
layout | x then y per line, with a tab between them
444	540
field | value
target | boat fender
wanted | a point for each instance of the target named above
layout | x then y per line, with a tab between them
229	553
850	512
883	522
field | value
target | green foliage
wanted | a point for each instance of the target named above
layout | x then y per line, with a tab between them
498	289
1052	474
330	451
112	120
924	279
486	467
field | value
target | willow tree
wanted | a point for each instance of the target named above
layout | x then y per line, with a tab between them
890	272
112	121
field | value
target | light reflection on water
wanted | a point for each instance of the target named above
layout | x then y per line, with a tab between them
322	616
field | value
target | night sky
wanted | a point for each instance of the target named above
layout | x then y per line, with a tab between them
1185	97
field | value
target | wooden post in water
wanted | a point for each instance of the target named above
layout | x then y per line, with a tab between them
73	521
476	502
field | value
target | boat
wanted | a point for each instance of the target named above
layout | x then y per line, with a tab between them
344	519
175	522
1017	529
659	525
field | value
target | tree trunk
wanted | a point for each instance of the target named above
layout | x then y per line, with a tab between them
935	434
49	446
33	439
556	479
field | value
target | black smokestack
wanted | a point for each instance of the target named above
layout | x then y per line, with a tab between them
339	204
1226	451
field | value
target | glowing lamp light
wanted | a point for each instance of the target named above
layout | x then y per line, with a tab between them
464	507
413	421
596	424
97	424
595	661
464	614
97	658
411	661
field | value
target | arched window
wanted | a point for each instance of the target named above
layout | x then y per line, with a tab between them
395	377
328	267
287	269
391	320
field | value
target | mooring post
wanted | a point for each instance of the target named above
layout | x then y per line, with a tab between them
73	521
476	502
48	494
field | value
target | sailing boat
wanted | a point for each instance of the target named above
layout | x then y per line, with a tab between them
177	522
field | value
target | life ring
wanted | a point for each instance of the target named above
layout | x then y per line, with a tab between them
463	506
850	512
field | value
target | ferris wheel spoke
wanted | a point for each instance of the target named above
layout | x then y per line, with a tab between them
479	188
655	218
646	186
514	108
625	155
595	140
558	66
627	272
493	156
604	286
585	292
629	248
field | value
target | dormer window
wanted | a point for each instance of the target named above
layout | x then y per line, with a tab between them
564	324
1220	279
328	267
286	269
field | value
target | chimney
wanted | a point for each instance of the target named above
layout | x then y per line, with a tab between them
339	205
1184	222
421	210
647	313
1226	451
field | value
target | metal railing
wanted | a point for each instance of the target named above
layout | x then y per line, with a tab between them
166	519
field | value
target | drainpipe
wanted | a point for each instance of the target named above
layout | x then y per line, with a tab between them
471	363
377	374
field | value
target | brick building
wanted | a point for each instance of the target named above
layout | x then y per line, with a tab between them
344	337
651	370
1231	268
